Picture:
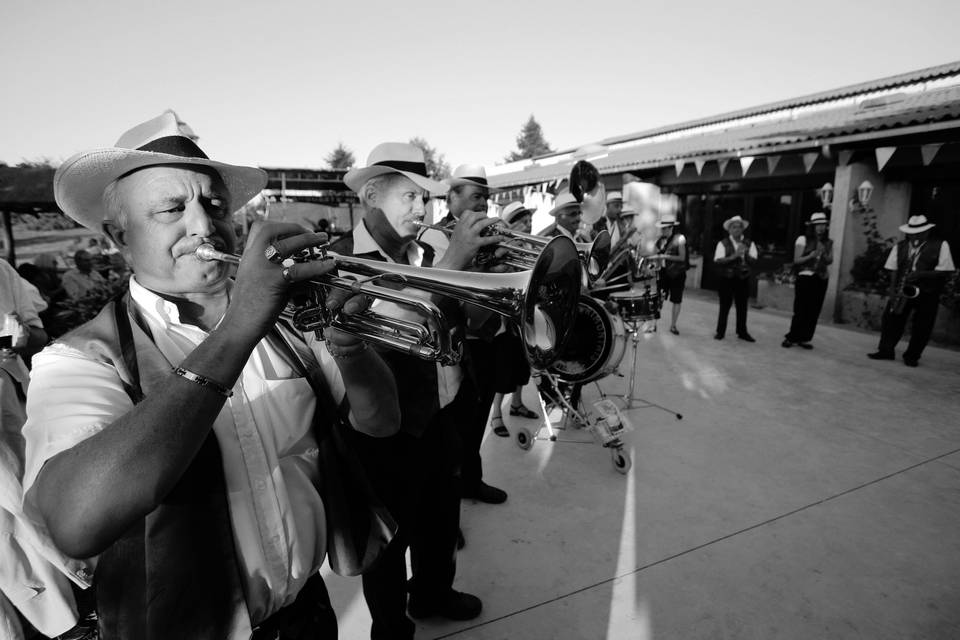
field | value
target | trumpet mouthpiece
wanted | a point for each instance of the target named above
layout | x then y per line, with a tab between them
208	252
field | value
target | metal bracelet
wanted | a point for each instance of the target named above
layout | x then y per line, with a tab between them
203	381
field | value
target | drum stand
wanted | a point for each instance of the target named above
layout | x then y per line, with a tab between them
634	328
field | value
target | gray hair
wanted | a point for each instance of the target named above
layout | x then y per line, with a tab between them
377	185
113	205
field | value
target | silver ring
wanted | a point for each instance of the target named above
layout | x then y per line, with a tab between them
286	275
272	254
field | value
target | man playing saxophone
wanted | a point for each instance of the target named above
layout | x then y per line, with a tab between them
921	266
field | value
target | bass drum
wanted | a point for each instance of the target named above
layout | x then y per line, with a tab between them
596	345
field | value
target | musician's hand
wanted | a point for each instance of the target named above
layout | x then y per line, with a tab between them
262	288
348	303
467	238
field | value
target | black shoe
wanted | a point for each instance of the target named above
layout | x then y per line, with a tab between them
718	336
461	541
911	362
805	345
786	344
746	337
485	493
454	605
880	355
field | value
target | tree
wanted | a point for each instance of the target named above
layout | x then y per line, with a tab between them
437	167
340	158
530	142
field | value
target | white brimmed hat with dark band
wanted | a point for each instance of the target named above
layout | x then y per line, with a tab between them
818	218
513	211
730	221
78	183
917	224
564	201
473	174
395	157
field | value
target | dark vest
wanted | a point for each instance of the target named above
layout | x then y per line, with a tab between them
820	267
927	261
734	270
671	247
175	573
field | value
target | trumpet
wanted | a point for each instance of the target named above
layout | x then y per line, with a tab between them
593	255
542	301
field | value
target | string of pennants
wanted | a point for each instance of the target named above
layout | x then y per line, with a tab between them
882	154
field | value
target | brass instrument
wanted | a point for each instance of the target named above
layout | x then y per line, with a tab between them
542	301
593	255
904	292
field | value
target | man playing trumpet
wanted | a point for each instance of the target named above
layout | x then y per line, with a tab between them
171	441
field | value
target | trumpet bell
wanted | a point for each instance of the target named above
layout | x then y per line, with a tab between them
597	255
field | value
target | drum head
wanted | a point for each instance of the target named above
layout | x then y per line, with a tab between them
585	356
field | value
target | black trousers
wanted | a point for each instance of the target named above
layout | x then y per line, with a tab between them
309	617
924	309
808	295
482	372
733	291
418	480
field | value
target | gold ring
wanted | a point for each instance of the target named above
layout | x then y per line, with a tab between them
286	275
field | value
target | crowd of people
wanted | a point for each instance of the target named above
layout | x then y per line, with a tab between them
170	454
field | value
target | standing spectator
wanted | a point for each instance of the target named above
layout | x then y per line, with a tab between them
921	267
812	254
513	370
734	257
82	279
672	250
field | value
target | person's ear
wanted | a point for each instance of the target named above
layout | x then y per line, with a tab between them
115	233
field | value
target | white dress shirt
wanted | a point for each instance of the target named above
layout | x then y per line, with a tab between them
264	432
944	261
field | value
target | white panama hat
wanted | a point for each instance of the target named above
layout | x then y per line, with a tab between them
395	157
917	224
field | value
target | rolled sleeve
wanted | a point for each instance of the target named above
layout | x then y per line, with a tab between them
71	398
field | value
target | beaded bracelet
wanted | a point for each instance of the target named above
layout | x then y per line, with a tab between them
341	351
203	381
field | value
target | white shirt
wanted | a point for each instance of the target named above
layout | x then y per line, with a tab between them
944	261
449	377
722	253
269	452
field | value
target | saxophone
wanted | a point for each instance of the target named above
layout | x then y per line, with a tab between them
903	292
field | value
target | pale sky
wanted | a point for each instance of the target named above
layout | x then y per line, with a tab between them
280	83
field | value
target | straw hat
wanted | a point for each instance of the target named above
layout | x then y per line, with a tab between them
473	174
395	157
668	220
730	221
564	200
613	196
513	211
818	218
79	182
917	224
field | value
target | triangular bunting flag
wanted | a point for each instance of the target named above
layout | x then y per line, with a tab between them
723	165
844	157
883	156
929	152
808	160
772	162
699	165
745	163
678	165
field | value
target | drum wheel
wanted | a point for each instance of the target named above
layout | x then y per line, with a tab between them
621	461
524	438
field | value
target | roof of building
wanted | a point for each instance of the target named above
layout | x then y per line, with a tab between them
876	109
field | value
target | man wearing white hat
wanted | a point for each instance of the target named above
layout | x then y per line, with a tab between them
611	220
172	440
812	256
468	191
566	214
415	471
920	267
734	257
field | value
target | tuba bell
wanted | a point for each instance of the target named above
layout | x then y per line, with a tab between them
541	301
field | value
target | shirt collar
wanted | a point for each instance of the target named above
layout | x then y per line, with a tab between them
363	242
565	232
155	308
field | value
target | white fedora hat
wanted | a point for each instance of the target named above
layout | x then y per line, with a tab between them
564	200
818	218
79	182
917	224
614	195
668	220
513	211
473	174
395	157
628	210
730	221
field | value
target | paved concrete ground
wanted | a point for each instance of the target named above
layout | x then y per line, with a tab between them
804	494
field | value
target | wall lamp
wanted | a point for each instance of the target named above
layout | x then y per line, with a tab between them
860	200
826	195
